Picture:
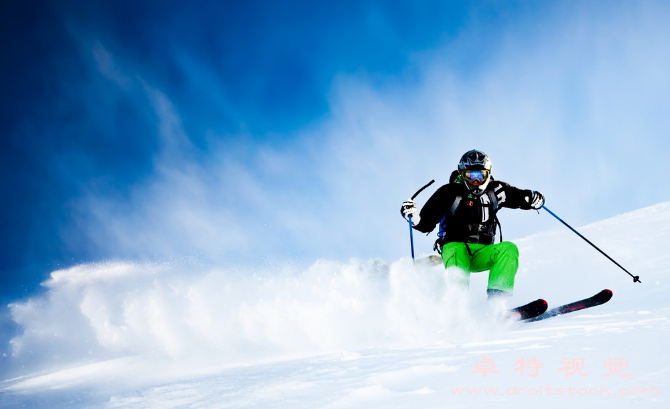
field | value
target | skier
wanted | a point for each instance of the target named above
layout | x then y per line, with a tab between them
465	210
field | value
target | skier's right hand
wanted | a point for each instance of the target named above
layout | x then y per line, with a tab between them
407	209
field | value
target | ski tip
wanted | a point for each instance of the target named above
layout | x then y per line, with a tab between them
607	294
542	308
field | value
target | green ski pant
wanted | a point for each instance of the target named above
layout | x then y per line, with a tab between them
501	259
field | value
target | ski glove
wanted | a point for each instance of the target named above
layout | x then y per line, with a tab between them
536	200
409	209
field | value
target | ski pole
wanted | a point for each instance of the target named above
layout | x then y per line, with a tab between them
411	234
635	278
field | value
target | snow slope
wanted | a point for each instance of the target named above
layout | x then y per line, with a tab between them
360	334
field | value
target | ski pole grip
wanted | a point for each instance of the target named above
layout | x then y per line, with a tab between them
409	219
421	190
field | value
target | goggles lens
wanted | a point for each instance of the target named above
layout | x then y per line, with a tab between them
475	177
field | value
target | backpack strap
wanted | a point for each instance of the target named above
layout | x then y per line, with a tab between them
454	206
499	226
440	234
494	200
495	203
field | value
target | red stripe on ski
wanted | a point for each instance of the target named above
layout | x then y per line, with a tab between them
598	299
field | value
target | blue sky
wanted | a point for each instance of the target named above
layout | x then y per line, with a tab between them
76	118
256	133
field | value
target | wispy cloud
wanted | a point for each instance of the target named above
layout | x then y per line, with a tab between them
558	107
165	148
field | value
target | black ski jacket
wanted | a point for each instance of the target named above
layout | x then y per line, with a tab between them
466	218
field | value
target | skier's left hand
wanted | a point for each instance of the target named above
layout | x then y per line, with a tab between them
409	209
536	200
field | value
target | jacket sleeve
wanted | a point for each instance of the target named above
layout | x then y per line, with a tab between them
512	197
434	209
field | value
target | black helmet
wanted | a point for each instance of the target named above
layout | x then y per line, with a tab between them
475	170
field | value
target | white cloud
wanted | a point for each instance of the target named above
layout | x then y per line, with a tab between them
572	106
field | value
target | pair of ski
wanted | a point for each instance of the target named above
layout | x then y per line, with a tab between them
537	310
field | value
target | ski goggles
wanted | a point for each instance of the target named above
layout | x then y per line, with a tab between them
475	177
